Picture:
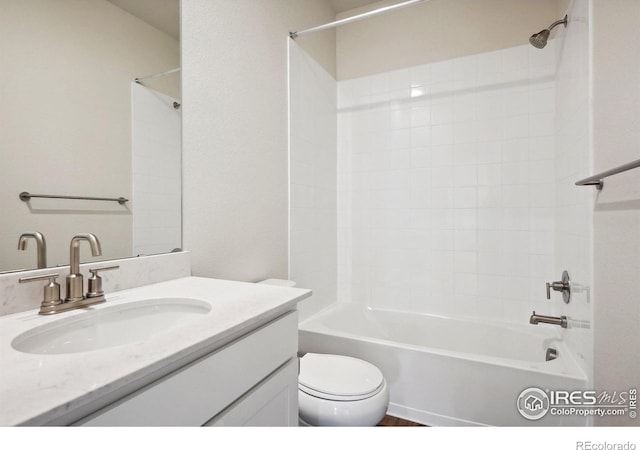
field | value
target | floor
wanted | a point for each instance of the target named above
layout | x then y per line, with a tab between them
390	421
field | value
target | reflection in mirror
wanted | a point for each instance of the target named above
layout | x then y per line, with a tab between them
76	123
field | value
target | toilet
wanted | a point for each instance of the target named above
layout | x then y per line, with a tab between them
335	390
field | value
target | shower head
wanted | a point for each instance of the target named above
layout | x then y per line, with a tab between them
539	40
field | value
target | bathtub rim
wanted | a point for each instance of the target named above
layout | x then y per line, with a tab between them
566	359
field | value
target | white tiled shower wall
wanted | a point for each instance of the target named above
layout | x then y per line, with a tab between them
446	186
574	205
157	172
312	240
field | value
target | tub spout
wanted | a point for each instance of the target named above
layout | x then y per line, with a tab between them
535	319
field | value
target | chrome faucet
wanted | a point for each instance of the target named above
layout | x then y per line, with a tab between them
41	246
75	280
537	318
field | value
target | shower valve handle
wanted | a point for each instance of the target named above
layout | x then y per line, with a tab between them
556	286
563	286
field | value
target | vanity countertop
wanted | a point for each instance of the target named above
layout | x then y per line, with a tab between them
36	389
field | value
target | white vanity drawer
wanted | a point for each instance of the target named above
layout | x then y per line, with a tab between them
272	403
194	394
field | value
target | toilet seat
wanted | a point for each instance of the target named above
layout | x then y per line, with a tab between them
335	390
339	378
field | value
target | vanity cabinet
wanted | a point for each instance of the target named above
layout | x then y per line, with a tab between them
252	381
273	403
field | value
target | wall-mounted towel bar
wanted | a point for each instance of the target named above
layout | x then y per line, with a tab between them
25	197
596	180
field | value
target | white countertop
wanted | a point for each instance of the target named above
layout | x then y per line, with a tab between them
36	389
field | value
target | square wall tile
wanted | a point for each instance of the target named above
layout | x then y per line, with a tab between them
449	185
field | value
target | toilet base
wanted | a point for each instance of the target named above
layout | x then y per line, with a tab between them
368	412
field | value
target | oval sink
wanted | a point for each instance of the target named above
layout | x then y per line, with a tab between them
110	327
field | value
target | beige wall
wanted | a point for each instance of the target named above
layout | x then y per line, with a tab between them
616	140
65	125
235	133
436	30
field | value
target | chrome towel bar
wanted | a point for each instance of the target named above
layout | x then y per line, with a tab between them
596	180
25	197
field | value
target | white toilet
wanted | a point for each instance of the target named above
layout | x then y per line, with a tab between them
336	390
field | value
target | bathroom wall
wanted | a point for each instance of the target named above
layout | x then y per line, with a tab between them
435	30
616	138
448	174
66	125
313	169
157	171
235	130
572	162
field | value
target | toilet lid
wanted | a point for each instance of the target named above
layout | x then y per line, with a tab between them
331	376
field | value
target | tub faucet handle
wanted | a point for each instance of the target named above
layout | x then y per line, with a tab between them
563	286
556	286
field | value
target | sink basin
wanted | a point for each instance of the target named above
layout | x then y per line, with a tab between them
110	327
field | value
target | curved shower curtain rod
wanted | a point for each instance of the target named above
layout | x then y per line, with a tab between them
337	23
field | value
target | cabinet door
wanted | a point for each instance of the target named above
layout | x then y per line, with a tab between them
272	403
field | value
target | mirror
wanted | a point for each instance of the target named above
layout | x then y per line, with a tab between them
75	123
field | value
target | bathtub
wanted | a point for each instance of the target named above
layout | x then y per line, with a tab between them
449	371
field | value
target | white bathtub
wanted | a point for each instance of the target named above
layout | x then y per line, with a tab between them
447	371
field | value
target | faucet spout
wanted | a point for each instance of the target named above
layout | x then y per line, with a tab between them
41	246
535	319
74	260
75	281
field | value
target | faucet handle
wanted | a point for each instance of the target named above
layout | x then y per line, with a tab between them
95	281
51	294
556	286
100	269
563	286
